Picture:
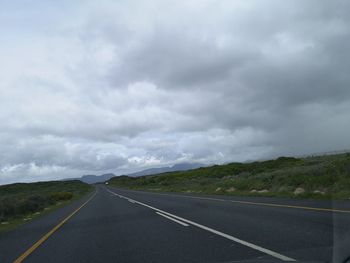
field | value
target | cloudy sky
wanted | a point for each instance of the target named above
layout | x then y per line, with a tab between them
119	86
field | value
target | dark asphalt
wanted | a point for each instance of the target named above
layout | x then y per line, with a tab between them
113	229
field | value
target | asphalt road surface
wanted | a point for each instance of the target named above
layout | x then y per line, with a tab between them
116	225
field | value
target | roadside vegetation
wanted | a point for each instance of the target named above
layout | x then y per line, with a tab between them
312	177
21	202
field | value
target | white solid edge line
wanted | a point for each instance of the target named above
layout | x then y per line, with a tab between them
251	203
173	219
235	239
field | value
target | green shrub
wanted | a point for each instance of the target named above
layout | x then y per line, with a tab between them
330	174
7	209
61	196
31	204
18	200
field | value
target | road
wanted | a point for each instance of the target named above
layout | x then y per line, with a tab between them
116	225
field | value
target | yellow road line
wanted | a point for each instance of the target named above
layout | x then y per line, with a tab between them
45	237
293	206
274	205
255	203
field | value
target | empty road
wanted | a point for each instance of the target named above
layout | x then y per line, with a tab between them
117	225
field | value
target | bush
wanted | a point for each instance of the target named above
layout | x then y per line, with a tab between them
61	196
11	207
17	200
281	176
7	209
31	204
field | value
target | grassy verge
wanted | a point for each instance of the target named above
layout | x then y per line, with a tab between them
20	203
321	177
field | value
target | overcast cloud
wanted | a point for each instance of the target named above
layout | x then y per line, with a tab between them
119	86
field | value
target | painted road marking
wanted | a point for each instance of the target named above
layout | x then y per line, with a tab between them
232	238
292	206
256	203
173	219
45	237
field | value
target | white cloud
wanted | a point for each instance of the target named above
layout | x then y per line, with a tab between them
119	86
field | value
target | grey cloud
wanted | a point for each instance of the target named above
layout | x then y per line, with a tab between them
120	86
302	66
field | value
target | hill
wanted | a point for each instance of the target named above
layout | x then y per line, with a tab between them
310	177
92	179
176	167
26	200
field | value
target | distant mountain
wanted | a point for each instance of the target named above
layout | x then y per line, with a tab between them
176	167
92	179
